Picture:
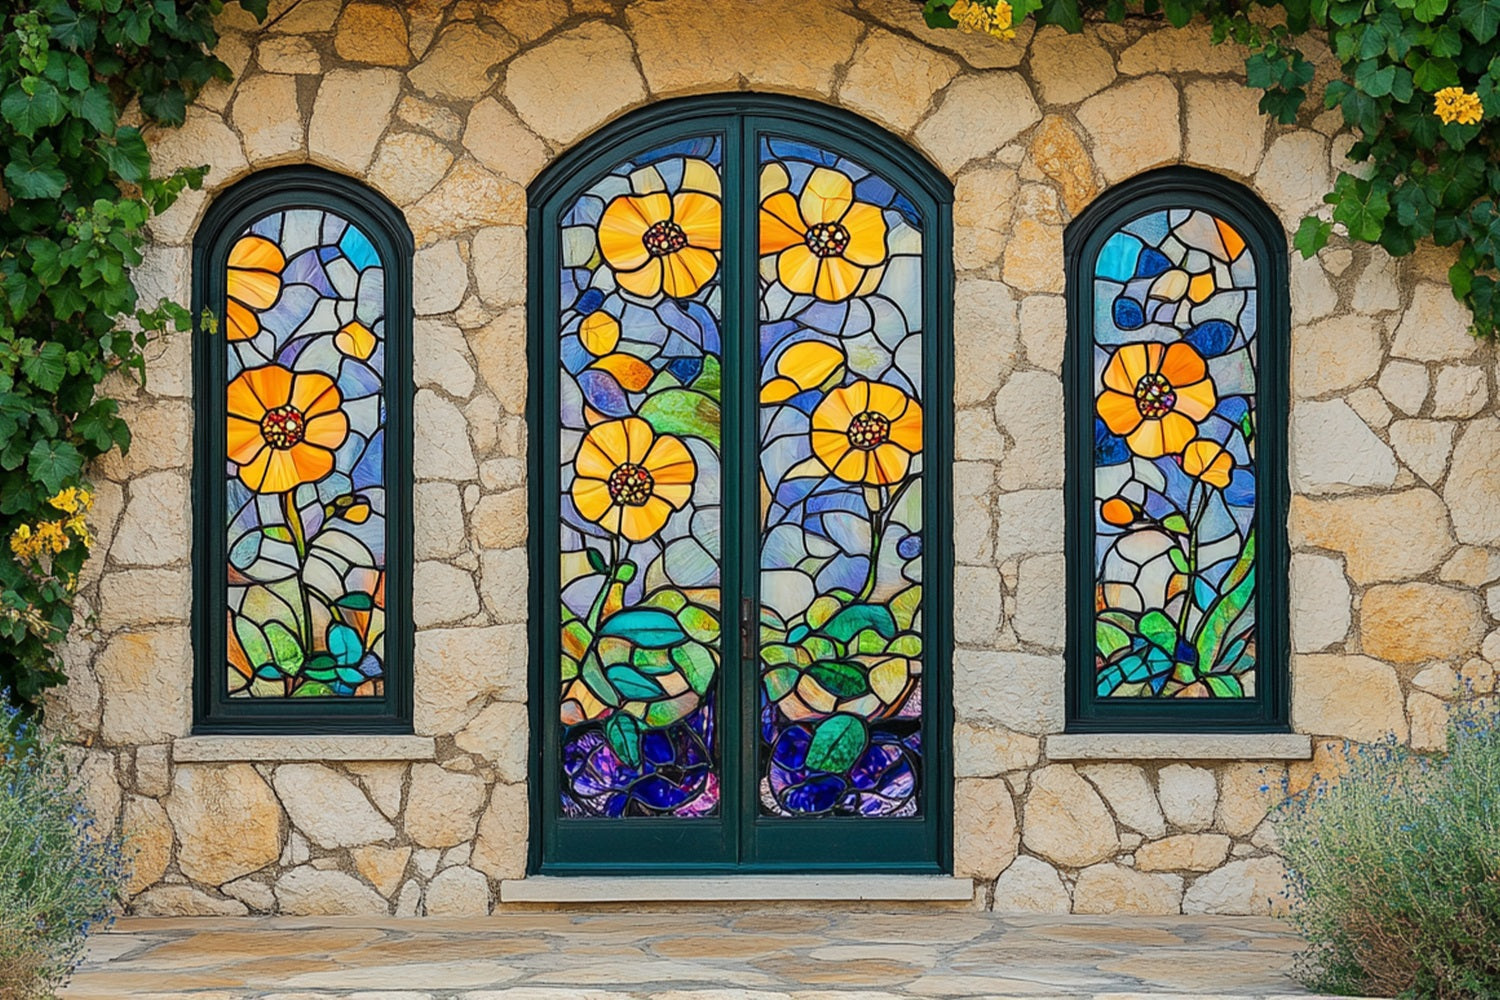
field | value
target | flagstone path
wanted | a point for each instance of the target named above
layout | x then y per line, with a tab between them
690	954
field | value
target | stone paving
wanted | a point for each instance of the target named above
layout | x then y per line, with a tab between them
725	953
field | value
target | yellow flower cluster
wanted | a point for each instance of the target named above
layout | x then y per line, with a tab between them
30	542
972	15
1454	104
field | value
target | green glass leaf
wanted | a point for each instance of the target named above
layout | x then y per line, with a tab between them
252	641
1109	639
624	735
321	667
1179	561
699	623
779	682
652	661
837	743
286	651
592	673
354	602
1160	631
1224	686
905	606
312	689
908	644
697	665
647	627
1175	522
842	680
632	684
858	617
596	560
684	412
1236	593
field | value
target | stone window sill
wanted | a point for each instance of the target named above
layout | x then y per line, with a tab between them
755	888
282	749
1179	746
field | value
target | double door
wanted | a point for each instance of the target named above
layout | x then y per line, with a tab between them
741	557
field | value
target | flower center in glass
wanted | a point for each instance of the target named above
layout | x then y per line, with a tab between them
630	485
868	431
827	239
1154	396
663	238
283	427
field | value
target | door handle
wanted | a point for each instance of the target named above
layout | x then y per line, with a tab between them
747	630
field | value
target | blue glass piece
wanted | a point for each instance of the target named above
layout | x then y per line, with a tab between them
1109	449
1151	263
575	357
589	301
358	249
1241	489
908	211
1152	228
1211	337
910	547
371	468
603	393
789	149
1128	314
875	190
1117	258
685	370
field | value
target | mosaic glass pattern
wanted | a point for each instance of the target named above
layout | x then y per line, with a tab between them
840	424
305	479
640	293
1175	459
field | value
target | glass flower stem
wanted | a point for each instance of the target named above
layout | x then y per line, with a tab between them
299	542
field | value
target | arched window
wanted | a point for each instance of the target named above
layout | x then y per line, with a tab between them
740	334
1177	551
303	387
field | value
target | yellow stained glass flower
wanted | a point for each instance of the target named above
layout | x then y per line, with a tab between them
657	242
1454	104
867	433
629	480
253	284
1208	461
1154	395
826	241
283	427
808	364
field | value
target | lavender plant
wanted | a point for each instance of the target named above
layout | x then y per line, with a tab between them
1395	868
60	873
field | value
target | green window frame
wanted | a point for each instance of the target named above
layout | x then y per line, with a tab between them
737	838
387	245
1089	708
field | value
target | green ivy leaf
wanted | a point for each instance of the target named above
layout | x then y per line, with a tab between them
46	368
53	464
1480	18
1361	205
34	173
1312	236
31	113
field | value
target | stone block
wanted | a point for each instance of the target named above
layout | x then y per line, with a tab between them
459	669
227	820
1057	150
500	848
468	198
1334	451
408	165
1188	796
505	584
1129	794
1030	885
1134	126
439	279
988	751
978	604
1184	852
985	340
1029	408
438	516
372	33
351	112
1020	691
500	736
1350	696
442	594
382	867
442	440
1474	482
1389	537
983	202
1254	887
1461	391
1429	721
442	806
184	901
1182	50
1225	129
1033	260
327	807
458	65
883	57
1320	603
555	87
1247	791
1067	68
954	135
1424	447
1117	890
499	256
984	827
458	892
1295	174
145	682
265	115
309	892
1415	622
1335	354
1065	821
1405	385
135	597
1435	327
154	529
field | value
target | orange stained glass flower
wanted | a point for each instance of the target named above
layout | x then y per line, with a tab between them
1119	512
1154	395
283	427
827	243
1208	461
253	284
867	433
657	242
629	480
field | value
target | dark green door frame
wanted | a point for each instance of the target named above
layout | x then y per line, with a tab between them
739	839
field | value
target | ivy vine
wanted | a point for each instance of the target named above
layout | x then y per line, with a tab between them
1420	85
76	193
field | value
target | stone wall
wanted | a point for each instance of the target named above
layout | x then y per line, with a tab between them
450	109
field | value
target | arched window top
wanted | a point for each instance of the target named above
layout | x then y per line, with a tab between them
1177	368
739	320
303	438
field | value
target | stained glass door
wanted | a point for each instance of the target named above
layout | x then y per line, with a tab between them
736	342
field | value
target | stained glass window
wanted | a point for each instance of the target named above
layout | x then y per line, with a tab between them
640	308
1177	438
841	439
735	321
305	504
